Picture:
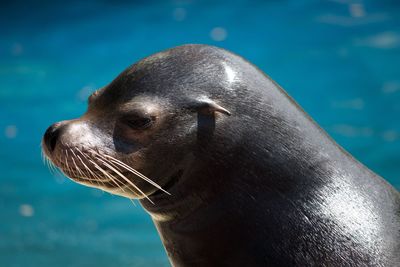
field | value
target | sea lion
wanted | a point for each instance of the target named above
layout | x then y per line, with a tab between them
232	171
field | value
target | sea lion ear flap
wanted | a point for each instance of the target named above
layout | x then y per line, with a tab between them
208	107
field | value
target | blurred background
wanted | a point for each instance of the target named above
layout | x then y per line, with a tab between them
339	59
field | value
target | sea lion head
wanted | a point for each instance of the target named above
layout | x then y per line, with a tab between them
140	130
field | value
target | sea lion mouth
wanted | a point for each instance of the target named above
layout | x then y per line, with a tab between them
172	181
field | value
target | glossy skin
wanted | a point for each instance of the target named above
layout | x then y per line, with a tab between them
253	180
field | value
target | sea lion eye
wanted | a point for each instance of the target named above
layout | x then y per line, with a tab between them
139	123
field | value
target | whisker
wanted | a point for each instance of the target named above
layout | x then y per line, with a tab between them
112	178
90	172
133	202
77	168
96	176
43	156
53	168
81	172
137	173
45	161
66	160
126	179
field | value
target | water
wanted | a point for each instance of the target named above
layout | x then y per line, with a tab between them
338	59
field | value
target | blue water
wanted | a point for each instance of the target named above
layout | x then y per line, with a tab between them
339	59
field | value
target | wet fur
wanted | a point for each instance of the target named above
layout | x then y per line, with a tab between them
262	187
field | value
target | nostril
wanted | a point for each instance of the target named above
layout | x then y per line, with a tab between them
51	136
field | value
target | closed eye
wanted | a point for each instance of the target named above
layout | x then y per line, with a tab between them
139	123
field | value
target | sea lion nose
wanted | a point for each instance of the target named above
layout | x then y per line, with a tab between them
51	136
